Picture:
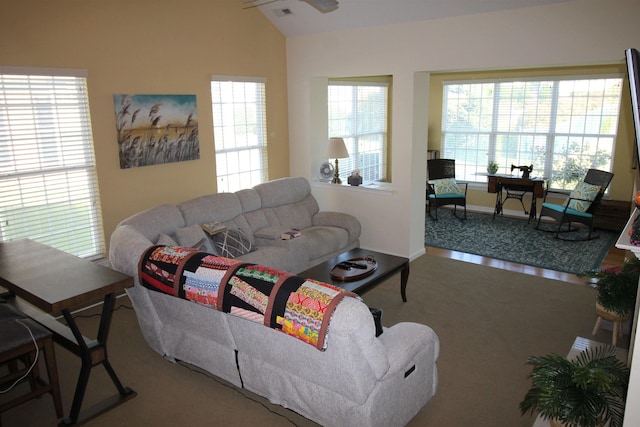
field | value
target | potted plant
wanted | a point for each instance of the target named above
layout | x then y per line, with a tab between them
617	288
589	391
492	168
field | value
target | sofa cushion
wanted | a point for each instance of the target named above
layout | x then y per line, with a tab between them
232	243
323	240
249	200
270	233
257	219
293	216
280	257
165	239
194	236
155	221
213	207
283	191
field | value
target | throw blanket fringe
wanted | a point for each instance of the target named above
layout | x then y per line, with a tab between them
299	307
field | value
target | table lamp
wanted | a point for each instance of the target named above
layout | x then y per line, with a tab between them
337	150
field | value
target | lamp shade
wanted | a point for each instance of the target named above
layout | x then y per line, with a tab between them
337	149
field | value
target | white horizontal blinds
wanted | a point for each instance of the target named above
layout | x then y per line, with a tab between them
48	185
561	126
240	131
358	113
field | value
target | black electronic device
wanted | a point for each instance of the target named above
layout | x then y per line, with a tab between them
633	71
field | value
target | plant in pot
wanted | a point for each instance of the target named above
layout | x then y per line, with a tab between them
492	167
617	288
589	391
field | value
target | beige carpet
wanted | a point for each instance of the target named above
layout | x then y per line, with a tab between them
488	320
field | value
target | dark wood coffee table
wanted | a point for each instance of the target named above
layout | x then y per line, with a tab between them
388	265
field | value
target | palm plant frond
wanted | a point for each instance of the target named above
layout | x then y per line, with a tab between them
617	290
588	391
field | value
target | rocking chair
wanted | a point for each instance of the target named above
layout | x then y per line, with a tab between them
581	205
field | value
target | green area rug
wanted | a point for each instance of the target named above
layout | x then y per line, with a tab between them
515	240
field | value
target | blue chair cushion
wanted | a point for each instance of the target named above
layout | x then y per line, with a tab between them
447	196
560	208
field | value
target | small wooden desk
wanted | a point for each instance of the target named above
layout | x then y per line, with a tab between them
516	187
54	282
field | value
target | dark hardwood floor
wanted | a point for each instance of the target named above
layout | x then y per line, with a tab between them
614	257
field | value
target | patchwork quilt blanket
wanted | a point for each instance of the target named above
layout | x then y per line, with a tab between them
280	300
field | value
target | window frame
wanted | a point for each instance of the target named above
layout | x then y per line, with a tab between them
354	139
227	147
49	175
551	135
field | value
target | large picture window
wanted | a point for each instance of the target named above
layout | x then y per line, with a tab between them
240	131
358	114
48	183
562	126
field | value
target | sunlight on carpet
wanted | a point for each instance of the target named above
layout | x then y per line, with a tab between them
515	240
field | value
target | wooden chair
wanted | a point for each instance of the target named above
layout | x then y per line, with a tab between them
444	171
616	319
19	338
566	214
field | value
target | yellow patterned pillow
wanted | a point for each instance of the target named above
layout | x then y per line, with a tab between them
587	193
445	186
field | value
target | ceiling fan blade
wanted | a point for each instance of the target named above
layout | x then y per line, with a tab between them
323	6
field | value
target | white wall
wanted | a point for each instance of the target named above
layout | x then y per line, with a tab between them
571	33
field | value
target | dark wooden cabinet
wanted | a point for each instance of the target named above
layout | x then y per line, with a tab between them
612	215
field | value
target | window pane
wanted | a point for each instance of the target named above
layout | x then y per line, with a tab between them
358	114
560	126
48	184
239	126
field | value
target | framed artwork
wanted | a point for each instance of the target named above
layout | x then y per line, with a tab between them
156	129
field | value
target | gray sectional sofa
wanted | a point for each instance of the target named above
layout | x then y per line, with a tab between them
360	379
261	213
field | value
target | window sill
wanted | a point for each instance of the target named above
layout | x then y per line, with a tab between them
373	187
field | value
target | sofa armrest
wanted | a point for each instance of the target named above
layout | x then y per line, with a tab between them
125	248
339	219
403	341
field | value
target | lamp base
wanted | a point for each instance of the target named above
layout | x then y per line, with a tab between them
336	176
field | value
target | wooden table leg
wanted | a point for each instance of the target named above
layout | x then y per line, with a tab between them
404	278
92	354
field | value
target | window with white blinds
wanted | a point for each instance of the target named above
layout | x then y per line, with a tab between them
358	114
561	126
48	183
239	131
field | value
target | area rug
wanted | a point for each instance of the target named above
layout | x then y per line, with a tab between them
516	240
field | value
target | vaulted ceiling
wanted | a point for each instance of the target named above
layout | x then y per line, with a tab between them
299	17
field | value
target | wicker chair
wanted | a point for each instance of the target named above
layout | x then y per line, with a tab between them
567	214
442	189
